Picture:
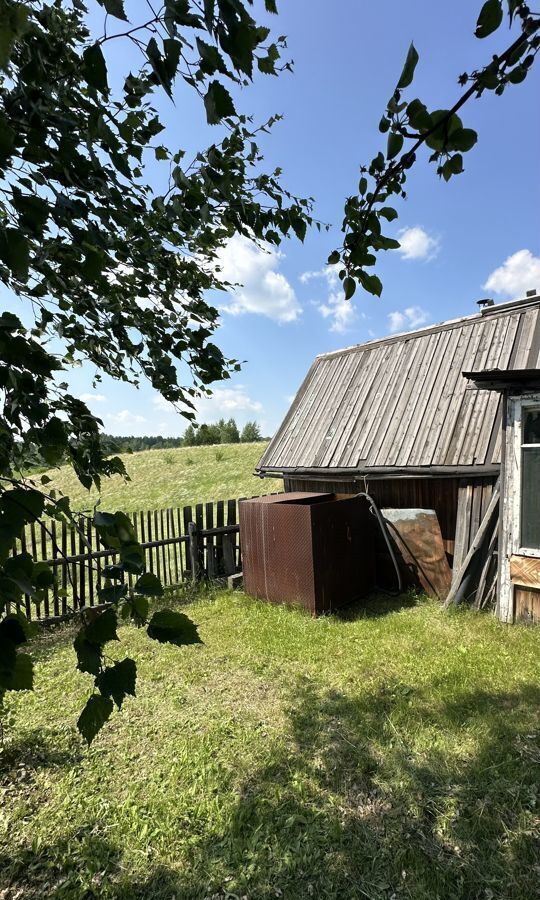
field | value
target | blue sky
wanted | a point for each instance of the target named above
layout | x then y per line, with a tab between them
480	228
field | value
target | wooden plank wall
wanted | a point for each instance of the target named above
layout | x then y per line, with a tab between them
440	494
527	605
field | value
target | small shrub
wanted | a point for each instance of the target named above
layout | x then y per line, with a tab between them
189	460
219	455
169	459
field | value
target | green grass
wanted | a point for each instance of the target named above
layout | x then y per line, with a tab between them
393	754
177	477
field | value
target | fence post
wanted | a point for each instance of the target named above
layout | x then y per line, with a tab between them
194	551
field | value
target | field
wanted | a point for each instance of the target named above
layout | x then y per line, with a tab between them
176	477
391	754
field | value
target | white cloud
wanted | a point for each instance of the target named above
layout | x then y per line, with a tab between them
340	312
262	289
124	417
517	275
93	398
407	319
223	403
417	244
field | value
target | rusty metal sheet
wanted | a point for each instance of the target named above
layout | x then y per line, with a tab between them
307	548
418	538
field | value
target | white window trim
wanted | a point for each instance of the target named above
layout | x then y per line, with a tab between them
516	407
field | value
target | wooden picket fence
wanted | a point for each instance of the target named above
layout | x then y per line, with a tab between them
180	545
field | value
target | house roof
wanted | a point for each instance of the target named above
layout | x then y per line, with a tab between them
402	403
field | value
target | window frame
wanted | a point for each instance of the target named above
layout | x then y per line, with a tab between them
521	405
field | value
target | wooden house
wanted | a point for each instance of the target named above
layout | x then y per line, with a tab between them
397	417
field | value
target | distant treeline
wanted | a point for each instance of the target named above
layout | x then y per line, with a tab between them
223	432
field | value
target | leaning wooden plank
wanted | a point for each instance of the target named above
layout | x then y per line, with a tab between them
483	581
480	534
462	524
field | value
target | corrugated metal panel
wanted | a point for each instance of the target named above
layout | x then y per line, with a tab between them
403	401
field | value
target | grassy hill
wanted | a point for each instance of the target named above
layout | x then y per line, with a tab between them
178	477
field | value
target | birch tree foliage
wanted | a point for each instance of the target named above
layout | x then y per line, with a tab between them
412	130
112	273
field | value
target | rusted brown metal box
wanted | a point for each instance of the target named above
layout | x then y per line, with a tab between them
307	548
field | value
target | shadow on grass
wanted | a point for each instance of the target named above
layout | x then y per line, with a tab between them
376	605
34	752
352	810
370	797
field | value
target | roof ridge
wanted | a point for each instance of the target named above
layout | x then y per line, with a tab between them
489	311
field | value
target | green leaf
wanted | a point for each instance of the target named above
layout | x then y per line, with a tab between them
384	125
15	251
95	68
88	654
270	6
299	227
362	185
43	575
94	715
211	59
418	115
395	143
209	9
20	677
456	164
149	585
20	569
102	628
93	263
463	139
12	629
168	626
491	16
140	605
407	74
334	258
13	24
132	556
218	103
444	127
115	8
517	75
117	681
388	213
349	286
371	283
22	506
112	594
33	211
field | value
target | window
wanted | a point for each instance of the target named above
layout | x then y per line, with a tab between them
530	478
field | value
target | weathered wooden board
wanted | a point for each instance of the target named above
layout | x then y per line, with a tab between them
525	570
527	605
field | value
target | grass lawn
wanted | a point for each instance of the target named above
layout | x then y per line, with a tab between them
175	477
389	754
